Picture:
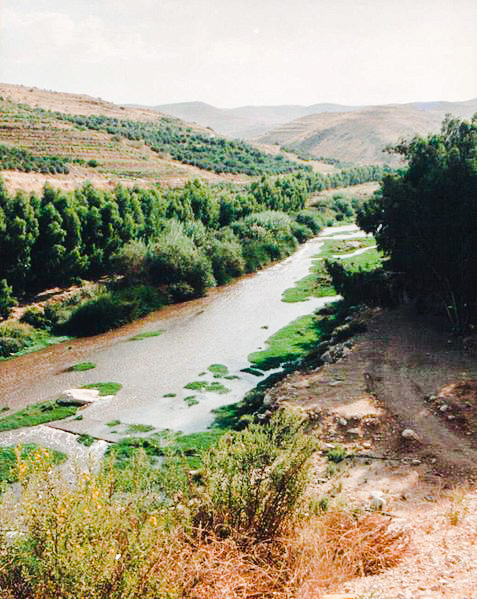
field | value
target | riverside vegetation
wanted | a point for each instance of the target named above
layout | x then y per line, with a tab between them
153	246
241	526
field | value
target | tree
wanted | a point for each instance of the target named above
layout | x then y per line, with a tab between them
7	301
425	219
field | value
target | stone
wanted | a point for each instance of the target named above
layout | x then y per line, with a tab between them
409	433
355	432
367	444
444	407
81	397
343	421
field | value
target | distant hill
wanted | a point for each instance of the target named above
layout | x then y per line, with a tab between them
245	122
324	130
362	135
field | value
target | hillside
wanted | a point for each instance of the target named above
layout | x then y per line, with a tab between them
359	136
66	139
245	121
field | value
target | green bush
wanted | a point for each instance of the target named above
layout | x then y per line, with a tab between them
175	261
99	315
253	480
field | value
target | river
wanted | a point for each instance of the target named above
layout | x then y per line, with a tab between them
222	328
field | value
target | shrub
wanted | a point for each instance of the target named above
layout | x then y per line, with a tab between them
129	261
301	232
226	259
254	480
99	315
373	287
15	336
310	218
175	260
46	318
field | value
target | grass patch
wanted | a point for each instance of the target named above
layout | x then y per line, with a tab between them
104	388
191	400
207	387
39	413
369	260
169	395
85	439
337	454
166	443
146	335
318	283
139	428
113	423
231	377
292	342
8	459
218	369
19	338
81	367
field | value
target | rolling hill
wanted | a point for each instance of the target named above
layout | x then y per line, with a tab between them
344	133
245	122
361	136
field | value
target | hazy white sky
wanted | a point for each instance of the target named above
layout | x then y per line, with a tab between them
235	52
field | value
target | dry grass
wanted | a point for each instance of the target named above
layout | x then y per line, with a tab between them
326	551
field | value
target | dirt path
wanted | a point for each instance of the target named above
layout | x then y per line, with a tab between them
407	361
363	402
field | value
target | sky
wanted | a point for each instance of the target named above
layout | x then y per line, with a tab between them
240	52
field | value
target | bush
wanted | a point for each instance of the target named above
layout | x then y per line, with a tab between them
372	287
301	232
130	260
226	259
310	218
174	260
254	480
45	319
15	336
99	315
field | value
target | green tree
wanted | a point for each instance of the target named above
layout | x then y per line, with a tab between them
425	219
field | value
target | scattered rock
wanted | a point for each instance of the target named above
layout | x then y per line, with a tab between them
81	397
343	421
355	432
409	433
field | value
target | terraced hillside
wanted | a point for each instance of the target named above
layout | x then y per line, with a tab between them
107	144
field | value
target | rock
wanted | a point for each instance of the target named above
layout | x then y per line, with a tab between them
378	501
80	397
415	462
335	383
367	444
302	385
343	421
328	446
409	433
444	407
450	417
355	432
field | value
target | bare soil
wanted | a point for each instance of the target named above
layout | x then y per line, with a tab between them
397	376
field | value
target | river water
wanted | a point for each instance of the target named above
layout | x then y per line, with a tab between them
222	328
